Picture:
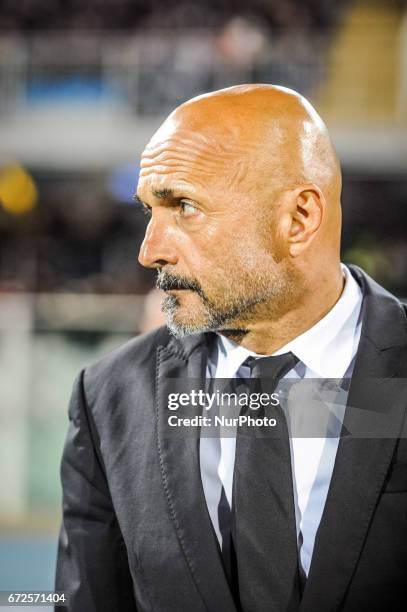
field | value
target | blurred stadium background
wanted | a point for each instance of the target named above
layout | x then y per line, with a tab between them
82	87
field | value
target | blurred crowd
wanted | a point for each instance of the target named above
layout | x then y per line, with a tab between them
75	238
207	44
30	15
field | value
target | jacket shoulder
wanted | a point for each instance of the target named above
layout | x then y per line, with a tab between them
134	358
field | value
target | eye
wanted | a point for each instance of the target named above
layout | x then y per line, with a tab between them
187	209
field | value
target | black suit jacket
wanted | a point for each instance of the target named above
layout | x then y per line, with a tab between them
136	533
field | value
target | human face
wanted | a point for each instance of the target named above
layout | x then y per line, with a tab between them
210	235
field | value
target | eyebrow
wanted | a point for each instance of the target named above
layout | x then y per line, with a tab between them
163	194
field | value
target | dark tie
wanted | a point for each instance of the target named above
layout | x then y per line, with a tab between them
264	536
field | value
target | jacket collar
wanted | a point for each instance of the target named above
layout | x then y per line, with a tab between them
373	420
183	362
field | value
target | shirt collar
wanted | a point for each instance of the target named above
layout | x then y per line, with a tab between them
326	349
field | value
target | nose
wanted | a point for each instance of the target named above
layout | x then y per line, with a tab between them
157	247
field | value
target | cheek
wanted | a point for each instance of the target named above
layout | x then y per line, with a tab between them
252	251
201	253
227	250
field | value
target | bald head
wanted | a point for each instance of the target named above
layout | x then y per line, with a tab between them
273	131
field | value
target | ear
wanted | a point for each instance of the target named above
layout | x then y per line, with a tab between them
307	211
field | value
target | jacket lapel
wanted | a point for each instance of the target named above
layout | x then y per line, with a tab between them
376	404
179	458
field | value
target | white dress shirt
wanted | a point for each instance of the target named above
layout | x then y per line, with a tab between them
326	350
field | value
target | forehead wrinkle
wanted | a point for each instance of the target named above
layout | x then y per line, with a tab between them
198	139
174	169
169	132
208	158
154	149
206	165
172	160
198	145
239	173
199	157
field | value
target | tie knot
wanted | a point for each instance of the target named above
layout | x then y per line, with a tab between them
275	367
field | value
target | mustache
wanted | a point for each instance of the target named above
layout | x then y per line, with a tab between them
167	281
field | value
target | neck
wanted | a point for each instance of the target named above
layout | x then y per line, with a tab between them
268	335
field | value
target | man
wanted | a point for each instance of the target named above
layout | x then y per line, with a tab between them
243	188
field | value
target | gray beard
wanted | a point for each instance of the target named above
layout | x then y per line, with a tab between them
214	318
235	312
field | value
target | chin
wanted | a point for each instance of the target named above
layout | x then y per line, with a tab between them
182	322
181	328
